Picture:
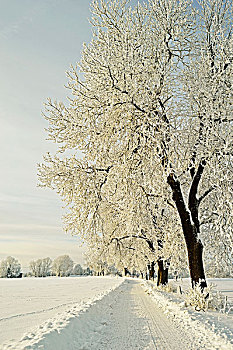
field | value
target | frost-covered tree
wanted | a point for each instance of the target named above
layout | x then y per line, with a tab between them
47	264
62	266
96	257
77	269
151	113
219	253
139	252
205	174
33	266
40	267
10	268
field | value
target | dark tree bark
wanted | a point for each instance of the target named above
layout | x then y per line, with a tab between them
190	224
162	278
148	272
152	271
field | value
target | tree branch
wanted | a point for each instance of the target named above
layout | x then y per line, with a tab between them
193	202
148	241
205	194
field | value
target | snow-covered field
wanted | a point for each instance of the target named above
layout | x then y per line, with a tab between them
106	313
25	304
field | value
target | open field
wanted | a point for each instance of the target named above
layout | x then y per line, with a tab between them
28	302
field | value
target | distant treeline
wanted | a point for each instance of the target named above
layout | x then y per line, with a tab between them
61	266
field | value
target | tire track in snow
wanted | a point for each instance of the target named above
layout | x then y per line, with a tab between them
163	332
127	319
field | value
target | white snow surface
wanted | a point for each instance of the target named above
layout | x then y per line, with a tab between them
224	285
31	307
106	313
213	330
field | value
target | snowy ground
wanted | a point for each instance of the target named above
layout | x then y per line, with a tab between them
104	313
224	285
26	303
213	330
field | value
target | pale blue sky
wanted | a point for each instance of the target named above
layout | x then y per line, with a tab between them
38	41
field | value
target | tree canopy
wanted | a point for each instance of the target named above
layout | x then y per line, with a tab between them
151	112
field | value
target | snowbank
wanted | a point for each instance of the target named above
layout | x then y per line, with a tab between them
212	329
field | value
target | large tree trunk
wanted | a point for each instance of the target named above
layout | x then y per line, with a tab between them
162	278
190	225
196	267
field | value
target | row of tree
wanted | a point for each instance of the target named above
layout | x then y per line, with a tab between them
151	112
61	266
